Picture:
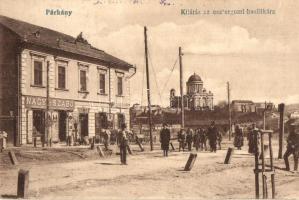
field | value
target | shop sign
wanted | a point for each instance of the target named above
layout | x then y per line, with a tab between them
54	103
83	110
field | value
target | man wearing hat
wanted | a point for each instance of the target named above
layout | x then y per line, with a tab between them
212	135
123	142
293	145
165	139
181	139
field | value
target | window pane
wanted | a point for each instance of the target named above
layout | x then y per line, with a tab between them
61	77
83	80
38	73
102	83
119	85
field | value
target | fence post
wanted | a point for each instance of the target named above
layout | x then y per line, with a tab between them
190	162
23	184
229	154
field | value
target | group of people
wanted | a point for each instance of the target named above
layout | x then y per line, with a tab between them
200	136
292	147
192	138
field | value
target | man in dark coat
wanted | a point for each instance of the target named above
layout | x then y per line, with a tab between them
239	139
196	139
212	134
189	138
250	138
203	139
292	146
181	139
123	143
165	139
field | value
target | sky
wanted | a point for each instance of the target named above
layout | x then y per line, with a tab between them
257	54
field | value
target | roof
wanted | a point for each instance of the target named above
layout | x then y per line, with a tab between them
45	37
194	78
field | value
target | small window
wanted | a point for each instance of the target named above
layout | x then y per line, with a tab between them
102	84
83	80
61	77
119	86
38	73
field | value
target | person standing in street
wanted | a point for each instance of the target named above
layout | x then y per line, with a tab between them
219	139
181	139
203	139
292	146
250	138
239	139
123	142
106	136
212	135
165	139
196	139
189	138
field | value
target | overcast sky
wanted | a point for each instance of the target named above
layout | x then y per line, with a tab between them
257	54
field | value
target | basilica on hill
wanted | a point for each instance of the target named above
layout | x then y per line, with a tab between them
197	97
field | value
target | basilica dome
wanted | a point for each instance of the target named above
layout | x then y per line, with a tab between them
194	78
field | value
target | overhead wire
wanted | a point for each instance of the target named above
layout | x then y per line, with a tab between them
173	67
142	84
155	76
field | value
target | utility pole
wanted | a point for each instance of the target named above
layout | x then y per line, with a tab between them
281	129
148	90
181	89
264	121
229	112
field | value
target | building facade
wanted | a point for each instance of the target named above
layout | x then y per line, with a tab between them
197	97
58	85
245	106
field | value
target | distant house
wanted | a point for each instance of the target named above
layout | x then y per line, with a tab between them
243	106
250	106
294	115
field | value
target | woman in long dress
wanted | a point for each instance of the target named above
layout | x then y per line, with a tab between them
239	139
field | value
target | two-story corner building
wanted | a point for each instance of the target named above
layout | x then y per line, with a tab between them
57	84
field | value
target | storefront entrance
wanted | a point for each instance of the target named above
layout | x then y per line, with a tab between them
83	124
120	119
39	121
62	125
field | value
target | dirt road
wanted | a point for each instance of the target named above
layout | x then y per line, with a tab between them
149	176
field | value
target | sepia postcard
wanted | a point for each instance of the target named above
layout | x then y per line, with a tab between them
149	99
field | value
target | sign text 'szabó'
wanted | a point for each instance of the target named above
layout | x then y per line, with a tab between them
55	104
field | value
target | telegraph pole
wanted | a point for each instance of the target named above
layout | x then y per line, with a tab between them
229	112
148	90
181	89
281	129
264	120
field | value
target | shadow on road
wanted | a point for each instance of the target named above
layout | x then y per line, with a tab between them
9	196
109	163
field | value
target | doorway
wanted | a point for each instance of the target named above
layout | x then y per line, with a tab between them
120	119
62	125
39	121
83	124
